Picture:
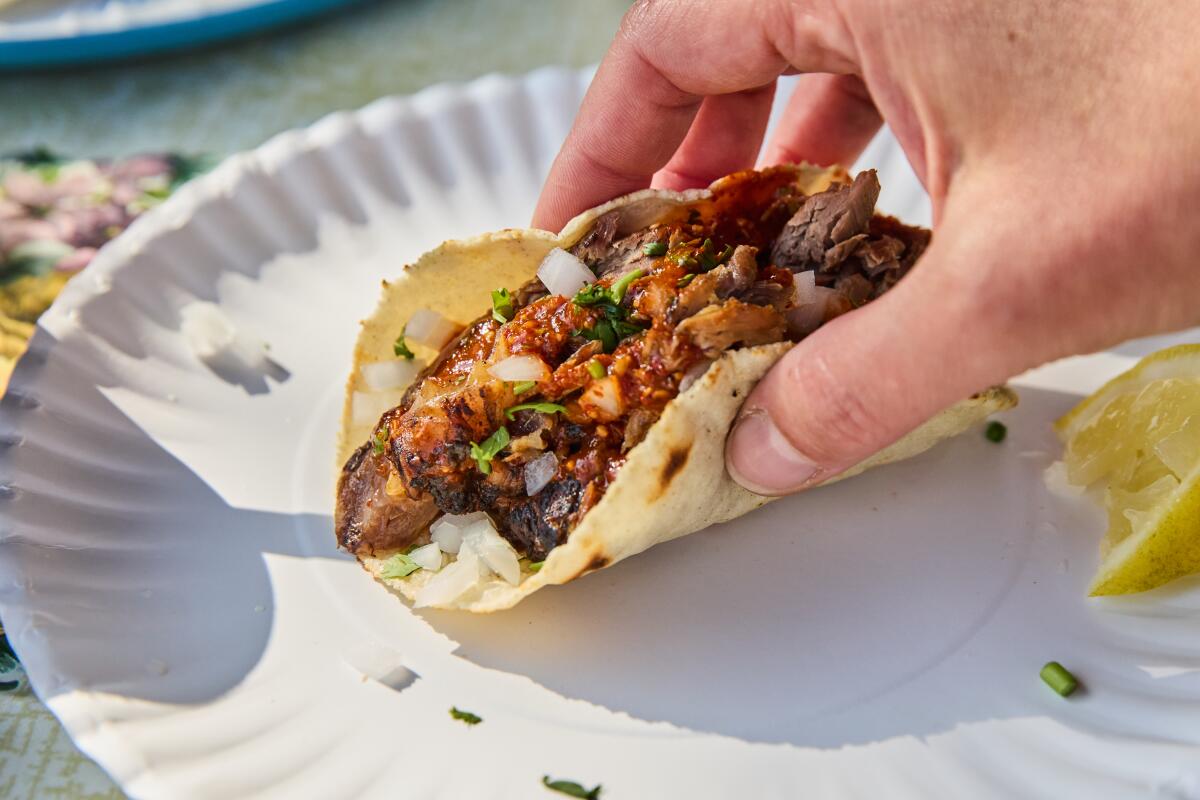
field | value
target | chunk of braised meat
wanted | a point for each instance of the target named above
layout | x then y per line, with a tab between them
854	287
610	257
572	374
595	244
826	221
531	292
768	293
541	523
535	525
431	444
457	358
368	519
636	427
530	433
836	234
717	328
730	279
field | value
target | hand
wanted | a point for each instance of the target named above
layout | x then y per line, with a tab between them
1059	143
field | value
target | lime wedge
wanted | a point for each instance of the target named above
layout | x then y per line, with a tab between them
1138	437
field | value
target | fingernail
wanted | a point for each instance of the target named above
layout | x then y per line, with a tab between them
761	459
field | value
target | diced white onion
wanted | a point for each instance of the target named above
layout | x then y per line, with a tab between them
392	374
804	287
520	368
430	329
604	396
695	373
206	329
498	554
367	407
452	582
539	471
810	303
563	273
428	557
447	530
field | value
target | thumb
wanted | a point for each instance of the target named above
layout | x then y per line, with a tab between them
865	379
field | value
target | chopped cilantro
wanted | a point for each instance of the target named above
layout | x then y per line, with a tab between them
534	566
485	452
596	369
521	387
594	294
610	332
400	347
655	248
502	306
541	408
380	440
591	295
685	280
710	258
995	432
571	788
465	716
687	262
613	325
619	288
400	565
602	332
623	328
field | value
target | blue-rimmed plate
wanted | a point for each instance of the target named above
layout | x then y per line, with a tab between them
50	33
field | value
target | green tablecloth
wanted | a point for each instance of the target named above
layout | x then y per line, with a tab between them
231	98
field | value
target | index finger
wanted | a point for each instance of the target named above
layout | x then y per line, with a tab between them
666	57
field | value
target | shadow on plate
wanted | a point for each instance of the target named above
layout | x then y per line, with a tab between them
80	568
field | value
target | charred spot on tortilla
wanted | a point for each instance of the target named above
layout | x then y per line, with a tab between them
630	307
597	561
676	460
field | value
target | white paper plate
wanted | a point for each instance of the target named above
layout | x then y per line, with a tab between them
168	572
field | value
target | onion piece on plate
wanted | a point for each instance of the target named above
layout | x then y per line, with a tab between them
563	273
206	329
520	368
393	374
539	471
430	329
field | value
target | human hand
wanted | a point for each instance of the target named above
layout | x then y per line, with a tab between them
1059	143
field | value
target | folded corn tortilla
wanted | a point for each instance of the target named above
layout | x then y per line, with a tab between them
674	481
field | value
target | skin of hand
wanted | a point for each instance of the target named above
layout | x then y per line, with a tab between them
1059	143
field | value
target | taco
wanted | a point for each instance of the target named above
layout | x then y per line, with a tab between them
582	417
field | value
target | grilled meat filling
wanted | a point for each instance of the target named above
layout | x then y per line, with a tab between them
692	288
